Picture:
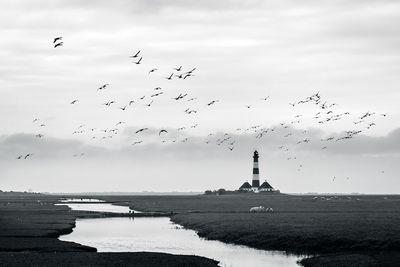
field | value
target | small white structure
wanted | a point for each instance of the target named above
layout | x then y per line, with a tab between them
257	209
261	209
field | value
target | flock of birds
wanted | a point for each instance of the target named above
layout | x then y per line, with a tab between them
325	113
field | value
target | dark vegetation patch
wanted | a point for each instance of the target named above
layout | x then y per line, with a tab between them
142	259
376	259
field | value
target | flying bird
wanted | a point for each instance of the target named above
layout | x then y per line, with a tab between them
141	130
162	131
149	104
190	71
57	39
103	87
178	69
135	55
136	142
28	155
170	77
157	94
212	102
138	62
74	101
180	96
152	70
58	44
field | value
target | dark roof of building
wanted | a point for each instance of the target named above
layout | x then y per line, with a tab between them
245	185
266	185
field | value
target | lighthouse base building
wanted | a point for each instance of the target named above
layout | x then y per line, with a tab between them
255	185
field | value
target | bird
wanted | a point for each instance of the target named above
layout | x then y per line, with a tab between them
157	94
152	70
190	71
265	98
28	155
193	98
19	157
135	55
123	108
162	131
57	39
138	62
74	101
170	77
141	130
230	148
136	142
102	87
180	96
212	102
157	88
149	104
248	106
142	97
58	44
131	102
178	69
35	120
187	75
39	135
120	122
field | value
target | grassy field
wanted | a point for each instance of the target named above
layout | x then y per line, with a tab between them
299	224
344	230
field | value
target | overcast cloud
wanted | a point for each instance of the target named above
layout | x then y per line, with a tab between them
243	51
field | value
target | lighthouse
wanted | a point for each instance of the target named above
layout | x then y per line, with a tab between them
256	173
255	184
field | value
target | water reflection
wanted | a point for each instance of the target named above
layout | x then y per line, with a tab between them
160	235
100	207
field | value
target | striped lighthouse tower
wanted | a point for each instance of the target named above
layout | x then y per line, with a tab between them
256	172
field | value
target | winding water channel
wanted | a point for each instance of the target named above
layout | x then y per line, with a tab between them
159	234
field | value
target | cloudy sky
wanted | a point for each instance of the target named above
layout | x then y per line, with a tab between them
243	52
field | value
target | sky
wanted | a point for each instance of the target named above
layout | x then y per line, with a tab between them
336	61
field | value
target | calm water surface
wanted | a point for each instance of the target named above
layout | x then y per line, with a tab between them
161	235
97	205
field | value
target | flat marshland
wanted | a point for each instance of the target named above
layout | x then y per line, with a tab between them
342	230
341	224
